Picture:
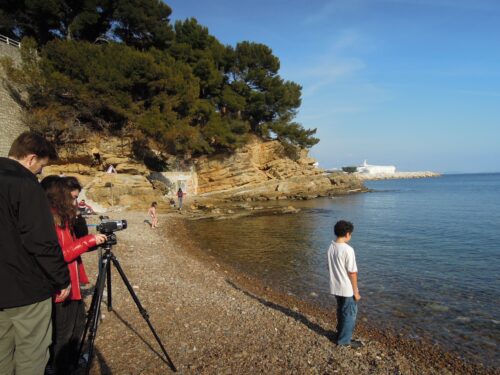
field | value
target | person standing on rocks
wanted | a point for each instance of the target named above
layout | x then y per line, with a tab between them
344	283
152	214
32	267
96	156
180	195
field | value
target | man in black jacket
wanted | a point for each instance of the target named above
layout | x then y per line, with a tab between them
32	266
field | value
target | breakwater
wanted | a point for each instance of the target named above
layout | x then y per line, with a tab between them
396	175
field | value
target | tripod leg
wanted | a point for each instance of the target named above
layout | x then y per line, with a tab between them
95	313
109	298
143	312
91	311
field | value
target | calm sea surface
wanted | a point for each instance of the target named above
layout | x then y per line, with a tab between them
428	254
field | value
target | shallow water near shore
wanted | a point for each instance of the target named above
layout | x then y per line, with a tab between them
428	252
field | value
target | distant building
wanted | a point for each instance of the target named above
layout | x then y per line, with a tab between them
376	169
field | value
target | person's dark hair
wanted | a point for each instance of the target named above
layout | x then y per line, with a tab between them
60	200
343	227
48	181
72	183
154	204
32	143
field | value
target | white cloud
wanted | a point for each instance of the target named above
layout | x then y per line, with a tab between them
326	73
340	8
332	8
335	68
348	38
484	5
329	113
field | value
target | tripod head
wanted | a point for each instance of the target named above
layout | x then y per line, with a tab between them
110	241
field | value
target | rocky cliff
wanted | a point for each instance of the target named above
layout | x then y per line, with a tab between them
259	171
129	187
262	170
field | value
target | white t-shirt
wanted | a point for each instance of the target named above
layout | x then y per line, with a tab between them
341	260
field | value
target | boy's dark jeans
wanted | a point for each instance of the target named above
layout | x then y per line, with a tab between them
347	309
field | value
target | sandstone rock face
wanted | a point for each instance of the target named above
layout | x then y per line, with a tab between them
113	151
69	169
129	186
262	170
258	171
121	189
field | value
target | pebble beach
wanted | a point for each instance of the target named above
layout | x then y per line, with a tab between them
213	320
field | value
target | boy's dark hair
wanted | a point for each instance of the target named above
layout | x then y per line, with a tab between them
72	183
32	143
343	227
154	204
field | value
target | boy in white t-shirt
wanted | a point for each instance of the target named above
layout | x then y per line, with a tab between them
344	282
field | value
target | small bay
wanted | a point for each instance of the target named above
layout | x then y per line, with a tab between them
428	253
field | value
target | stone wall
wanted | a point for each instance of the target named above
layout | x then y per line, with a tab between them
11	124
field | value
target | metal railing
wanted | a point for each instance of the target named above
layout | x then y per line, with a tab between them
9	41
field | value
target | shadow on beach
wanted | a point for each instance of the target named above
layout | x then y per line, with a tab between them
329	334
98	362
129	326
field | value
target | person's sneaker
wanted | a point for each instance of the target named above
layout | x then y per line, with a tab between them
49	370
83	360
353	345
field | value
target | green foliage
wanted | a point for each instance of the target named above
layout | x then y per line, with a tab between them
143	23
33	18
349	169
177	84
293	133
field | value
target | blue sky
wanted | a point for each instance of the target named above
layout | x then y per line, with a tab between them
414	83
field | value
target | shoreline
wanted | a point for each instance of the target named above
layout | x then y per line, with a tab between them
300	342
421	350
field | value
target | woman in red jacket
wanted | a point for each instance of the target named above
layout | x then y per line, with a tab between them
69	314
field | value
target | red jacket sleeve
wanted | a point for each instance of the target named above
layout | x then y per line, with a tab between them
74	249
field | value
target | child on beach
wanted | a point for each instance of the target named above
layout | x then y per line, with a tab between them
152	213
344	283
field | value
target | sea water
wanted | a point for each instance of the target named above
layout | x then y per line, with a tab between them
428	254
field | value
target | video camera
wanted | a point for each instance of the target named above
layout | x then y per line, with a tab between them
108	227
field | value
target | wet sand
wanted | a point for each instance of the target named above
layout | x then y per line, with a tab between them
214	320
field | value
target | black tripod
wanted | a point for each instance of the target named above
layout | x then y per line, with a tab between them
94	313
